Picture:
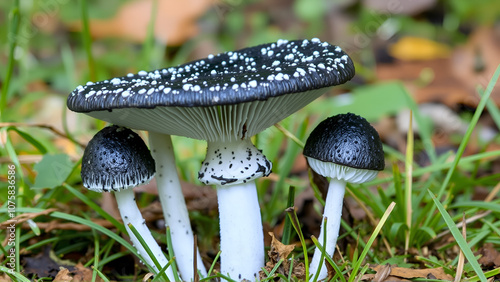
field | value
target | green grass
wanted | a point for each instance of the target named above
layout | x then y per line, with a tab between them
429	201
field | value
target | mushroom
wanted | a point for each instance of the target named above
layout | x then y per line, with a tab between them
346	148
224	99
116	159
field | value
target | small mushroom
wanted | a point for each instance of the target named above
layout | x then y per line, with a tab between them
116	160
345	148
224	99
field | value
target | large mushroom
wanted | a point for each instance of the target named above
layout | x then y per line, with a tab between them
116	160
224	99
345	148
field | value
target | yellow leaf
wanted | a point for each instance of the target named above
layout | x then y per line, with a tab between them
415	48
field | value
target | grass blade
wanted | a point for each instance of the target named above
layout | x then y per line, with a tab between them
462	243
328	258
87	39
408	183
15	19
357	264
287	229
472	125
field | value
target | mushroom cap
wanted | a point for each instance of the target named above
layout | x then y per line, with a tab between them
346	140
197	98
116	158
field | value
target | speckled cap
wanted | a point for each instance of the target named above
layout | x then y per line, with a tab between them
195	98
116	158
347	140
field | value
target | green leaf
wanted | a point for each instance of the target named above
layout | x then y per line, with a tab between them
478	204
52	171
462	243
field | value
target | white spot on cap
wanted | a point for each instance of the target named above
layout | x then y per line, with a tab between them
252	83
213	72
315	40
142	73
142	91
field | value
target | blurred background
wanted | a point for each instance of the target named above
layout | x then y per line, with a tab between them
428	55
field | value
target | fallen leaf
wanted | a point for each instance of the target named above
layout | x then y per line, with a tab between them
63	276
475	62
280	252
490	256
371	277
42	265
79	274
416	48
175	21
409	273
5	278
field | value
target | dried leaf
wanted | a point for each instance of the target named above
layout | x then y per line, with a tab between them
79	274
175	21
280	251
490	256
402	272
63	276
371	277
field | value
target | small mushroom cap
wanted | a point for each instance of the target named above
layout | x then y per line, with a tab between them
116	158
228	96
346	140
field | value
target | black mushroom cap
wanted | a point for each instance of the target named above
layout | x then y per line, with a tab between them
116	158
250	74
347	140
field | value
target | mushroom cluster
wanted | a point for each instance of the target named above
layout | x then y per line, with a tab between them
224	99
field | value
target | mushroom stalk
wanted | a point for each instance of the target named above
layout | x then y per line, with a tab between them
333	213
233	166
242	240
174	206
131	214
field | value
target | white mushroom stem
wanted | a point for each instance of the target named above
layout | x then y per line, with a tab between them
241	235
174	206
131	214
333	213
232	167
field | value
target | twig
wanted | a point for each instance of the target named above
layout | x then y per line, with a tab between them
461	257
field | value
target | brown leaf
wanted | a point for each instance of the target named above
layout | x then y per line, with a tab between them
175	21
490	256
402	272
371	277
79	274
5	278
63	276
280	251
82	274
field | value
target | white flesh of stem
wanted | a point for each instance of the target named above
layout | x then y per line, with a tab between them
242	240
333	213
174	206
131	214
